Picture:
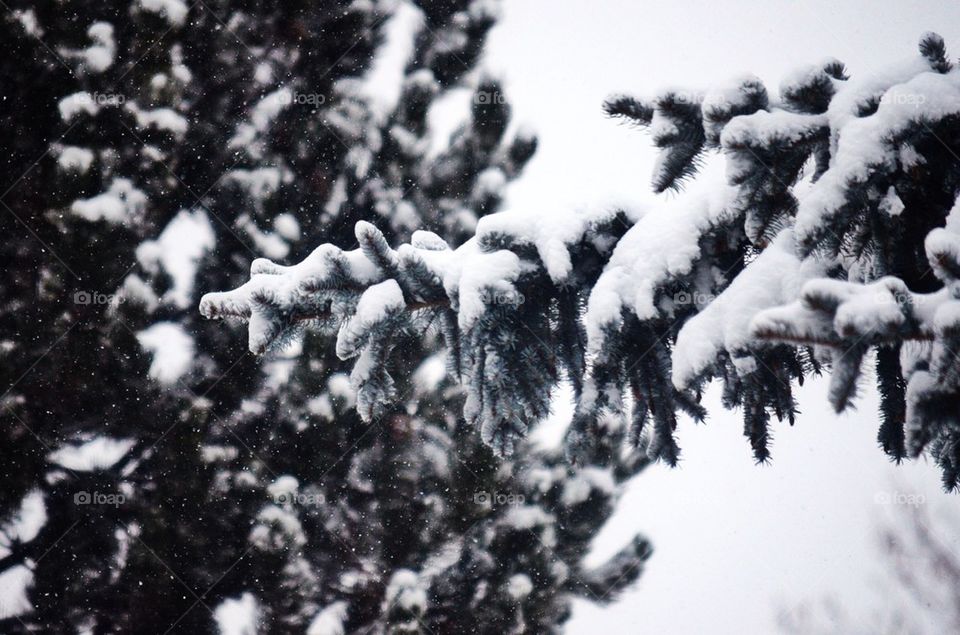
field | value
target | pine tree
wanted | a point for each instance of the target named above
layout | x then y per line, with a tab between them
163	145
832	242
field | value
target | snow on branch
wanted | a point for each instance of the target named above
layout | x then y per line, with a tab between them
831	241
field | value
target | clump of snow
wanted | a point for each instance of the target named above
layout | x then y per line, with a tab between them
172	349
404	590
75	159
238	616
526	517
285	485
430	374
519	586
330	620
100	453
891	203
663	244
173	11
136	290
160	119
771	128
864	145
375	304
15	582
99	56
260	183
771	280
76	103
121	202
269	244
261	116
577	489
861	90
382	83
179	249
263	73
474	274
277	529
28	20
552	235
287	226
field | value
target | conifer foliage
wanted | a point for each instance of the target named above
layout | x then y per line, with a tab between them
832	243
157	477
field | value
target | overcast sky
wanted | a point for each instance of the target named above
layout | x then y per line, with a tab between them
733	541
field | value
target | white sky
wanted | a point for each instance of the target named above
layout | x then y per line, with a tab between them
734	542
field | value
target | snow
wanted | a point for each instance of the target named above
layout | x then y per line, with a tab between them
891	203
261	116
376	304
277	529
76	103
720	102
283	486
474	275
340	387
165	119
662	245
519	586
771	280
286	286
383	81
119	203
238	616
100	453
765	128
287	226
864	145
75	159
173	11
23	525
260	183
526	517
330	620
28	19
172	349
866	309
263	74
15	583
267	243
404	590
552	232
99	57
577	488
861	89
800	77
321	407
178	250
28	520
430	374
135	289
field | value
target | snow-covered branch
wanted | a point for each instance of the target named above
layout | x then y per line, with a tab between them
825	242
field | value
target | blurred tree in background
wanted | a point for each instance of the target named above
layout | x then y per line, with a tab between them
159	478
